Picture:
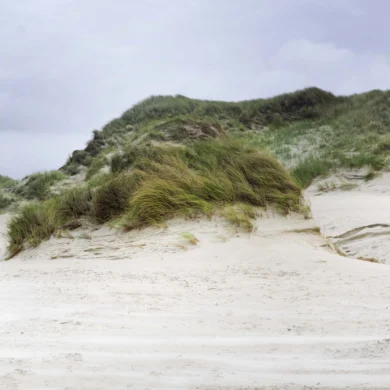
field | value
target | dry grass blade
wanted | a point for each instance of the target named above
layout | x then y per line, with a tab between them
190	237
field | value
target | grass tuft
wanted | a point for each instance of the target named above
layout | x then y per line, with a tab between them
310	168
37	186
241	215
5	201
7	182
111	199
190	238
73	203
194	180
162	182
35	223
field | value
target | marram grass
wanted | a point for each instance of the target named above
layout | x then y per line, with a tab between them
162	182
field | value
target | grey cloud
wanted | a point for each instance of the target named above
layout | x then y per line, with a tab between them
23	153
69	66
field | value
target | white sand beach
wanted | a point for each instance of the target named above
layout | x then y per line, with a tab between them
274	309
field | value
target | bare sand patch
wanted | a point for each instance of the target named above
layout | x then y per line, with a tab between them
274	309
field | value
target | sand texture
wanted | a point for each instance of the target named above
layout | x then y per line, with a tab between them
274	309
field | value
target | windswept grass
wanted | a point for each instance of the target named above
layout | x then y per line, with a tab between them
5	201
190	238
99	179
96	165
314	166
309	169
383	144
162	182
111	200
98	162
302	104
35	223
240	215
73	203
192	181
7	182
303	129
353	132
37	186
311	131
181	119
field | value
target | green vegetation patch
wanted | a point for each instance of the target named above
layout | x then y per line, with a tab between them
181	119
5	201
36	222
7	183
162	182
37	186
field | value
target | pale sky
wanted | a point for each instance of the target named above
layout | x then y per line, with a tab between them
67	67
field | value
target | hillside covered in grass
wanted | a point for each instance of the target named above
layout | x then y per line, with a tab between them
311	131
172	155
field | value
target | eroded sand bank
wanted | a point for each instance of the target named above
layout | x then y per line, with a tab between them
357	219
273	309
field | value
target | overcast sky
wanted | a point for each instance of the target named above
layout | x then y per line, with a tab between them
67	67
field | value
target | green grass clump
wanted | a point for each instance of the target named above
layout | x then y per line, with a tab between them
314	166
5	201
362	159
194	180
190	238
163	182
73	203
7	188
111	199
7	182
383	145
187	128
310	168
99	179
135	156
159	199
241	215
37	186
97	164
35	223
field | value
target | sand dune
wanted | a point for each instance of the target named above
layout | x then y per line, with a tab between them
274	309
358	220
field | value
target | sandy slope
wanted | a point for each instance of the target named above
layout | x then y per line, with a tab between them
274	309
357	220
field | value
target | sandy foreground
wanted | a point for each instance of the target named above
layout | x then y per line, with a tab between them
274	309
